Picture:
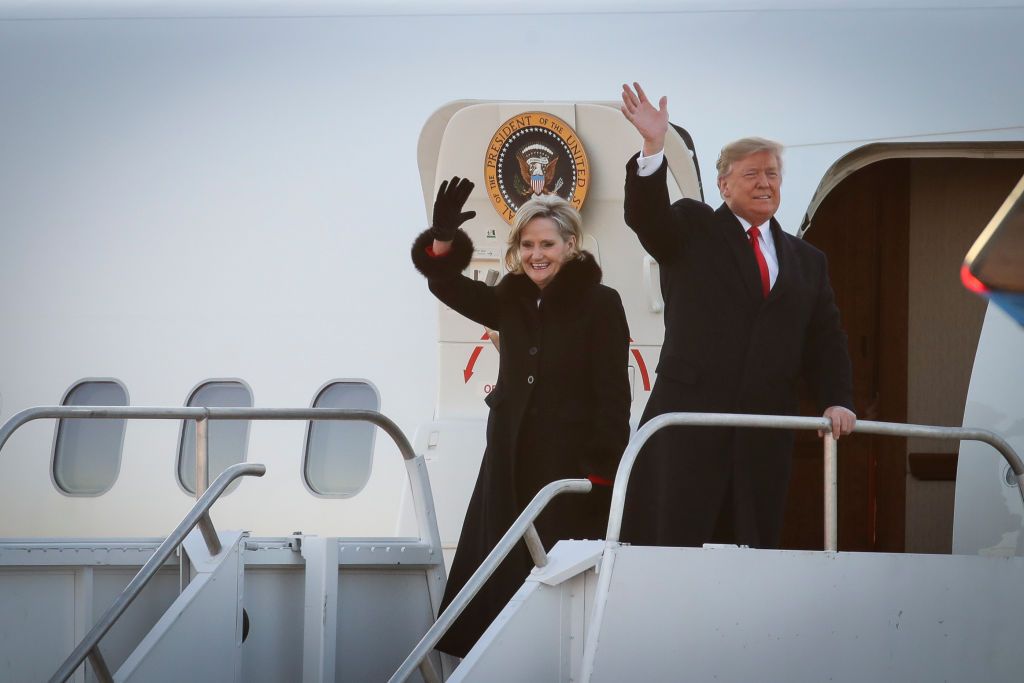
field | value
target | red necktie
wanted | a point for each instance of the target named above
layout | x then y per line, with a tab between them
762	265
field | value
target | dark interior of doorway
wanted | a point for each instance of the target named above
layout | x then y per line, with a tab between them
895	233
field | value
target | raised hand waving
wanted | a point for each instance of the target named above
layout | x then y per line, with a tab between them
650	122
448	213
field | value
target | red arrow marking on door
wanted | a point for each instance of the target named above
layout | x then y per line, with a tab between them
643	369
468	372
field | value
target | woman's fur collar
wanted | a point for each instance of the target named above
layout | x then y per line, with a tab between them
572	279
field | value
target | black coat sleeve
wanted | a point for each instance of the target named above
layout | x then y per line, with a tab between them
609	385
471	298
649	213
826	358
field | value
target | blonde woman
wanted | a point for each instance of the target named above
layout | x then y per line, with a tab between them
560	407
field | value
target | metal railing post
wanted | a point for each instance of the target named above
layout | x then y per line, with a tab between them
184	569
209	533
831	493
202	463
426	521
99	666
428	673
534	545
202	425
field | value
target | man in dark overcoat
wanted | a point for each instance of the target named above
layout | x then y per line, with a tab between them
749	312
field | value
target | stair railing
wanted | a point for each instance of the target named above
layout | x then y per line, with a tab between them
416	469
824	425
522	528
798	423
197	516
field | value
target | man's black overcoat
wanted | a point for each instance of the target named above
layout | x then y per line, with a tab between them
560	409
727	349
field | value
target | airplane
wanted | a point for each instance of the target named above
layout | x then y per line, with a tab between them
211	204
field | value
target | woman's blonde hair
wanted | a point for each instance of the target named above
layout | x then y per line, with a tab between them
566	218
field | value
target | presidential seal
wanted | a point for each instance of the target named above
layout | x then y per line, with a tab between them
535	153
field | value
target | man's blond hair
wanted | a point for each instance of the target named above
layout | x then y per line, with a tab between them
744	147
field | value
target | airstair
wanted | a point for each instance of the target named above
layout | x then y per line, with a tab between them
605	611
220	606
211	605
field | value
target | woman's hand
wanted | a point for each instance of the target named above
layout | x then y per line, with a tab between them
448	213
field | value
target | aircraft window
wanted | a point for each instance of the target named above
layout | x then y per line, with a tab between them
227	439
339	455
87	453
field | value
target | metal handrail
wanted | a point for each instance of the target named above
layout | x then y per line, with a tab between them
767	422
212	413
802	423
419	481
521	528
202	414
88	647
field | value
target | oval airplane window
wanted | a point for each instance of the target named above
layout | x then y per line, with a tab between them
339	455
226	439
87	453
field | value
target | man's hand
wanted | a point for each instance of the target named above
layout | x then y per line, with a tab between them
651	123
843	421
448	213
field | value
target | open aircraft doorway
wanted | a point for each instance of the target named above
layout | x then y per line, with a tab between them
895	221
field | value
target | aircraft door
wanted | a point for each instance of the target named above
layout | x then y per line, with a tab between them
466	138
469	139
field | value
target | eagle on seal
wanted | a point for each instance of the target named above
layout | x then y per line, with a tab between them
537	166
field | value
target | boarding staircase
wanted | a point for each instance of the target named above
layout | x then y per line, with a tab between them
220	606
223	606
605	611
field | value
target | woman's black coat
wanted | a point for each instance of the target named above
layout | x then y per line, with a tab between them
560	409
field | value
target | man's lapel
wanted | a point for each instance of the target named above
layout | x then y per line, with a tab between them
787	262
731	231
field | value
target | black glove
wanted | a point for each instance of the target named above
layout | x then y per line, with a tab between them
448	214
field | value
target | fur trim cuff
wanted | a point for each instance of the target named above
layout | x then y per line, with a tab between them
442	267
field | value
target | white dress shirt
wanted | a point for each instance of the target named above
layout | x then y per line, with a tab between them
646	166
